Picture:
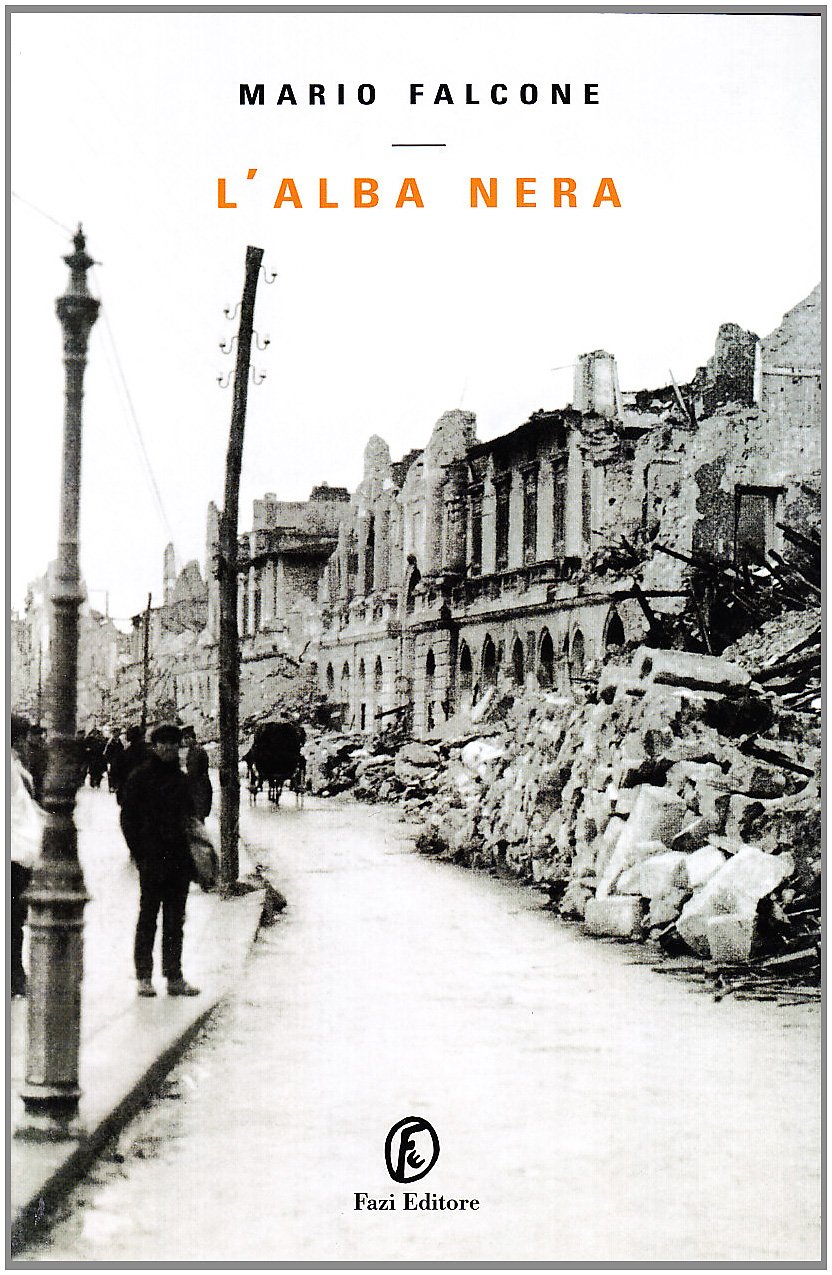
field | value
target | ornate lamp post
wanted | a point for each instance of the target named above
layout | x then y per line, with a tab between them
57	894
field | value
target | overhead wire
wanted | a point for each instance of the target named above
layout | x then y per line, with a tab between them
134	421
119	379
41	212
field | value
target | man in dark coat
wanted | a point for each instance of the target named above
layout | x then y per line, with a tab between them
156	809
114	757
196	768
36	759
96	765
134	754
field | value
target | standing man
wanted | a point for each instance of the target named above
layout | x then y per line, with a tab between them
36	758
96	765
135	753
156	809
196	768
114	757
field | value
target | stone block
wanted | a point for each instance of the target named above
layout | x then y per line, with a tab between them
608	841
481	752
418	755
730	937
756	778
683	668
664	908
662	872
628	882
575	899
736	888
629	768
616	916
729	845
701	865
625	800
696	833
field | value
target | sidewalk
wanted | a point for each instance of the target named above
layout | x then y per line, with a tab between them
127	1043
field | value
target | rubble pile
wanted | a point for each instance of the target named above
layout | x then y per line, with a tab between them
332	760
680	803
384	768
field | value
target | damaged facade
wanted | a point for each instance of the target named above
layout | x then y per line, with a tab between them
662	783
527	558
280	564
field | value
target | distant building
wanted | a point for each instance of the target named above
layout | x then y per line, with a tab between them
102	649
280	565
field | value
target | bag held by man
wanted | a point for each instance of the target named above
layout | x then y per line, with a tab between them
203	855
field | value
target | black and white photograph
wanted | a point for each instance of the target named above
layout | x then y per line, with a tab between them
414	645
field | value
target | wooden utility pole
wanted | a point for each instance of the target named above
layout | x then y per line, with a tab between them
229	653
146	661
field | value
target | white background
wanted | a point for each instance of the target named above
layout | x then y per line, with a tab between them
380	319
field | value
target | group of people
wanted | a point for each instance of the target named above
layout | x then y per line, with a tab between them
117	757
161	800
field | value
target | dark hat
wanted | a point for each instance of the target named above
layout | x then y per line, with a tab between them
167	733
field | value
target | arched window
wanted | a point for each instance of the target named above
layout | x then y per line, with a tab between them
330	678
489	662
546	661
362	673
430	672
517	669
614	635
576	661
378	675
466	668
345	681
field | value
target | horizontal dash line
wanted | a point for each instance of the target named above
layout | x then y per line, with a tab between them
419	144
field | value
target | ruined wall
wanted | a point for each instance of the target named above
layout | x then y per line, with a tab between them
791	366
679	486
738	449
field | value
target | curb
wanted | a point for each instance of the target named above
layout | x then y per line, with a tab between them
58	1166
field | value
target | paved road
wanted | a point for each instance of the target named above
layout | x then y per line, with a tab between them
597	1110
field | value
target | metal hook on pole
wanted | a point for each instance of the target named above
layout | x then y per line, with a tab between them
255	380
228	346
225	381
266	341
232	314
266	275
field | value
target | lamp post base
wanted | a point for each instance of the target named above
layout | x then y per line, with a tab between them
51	1114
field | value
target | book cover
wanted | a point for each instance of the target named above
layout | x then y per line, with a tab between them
527	559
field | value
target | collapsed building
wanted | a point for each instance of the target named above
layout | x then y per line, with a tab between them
611	642
528	557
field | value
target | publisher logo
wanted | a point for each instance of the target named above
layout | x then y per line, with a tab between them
411	1149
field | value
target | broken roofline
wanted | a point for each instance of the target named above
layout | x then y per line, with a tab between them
536	429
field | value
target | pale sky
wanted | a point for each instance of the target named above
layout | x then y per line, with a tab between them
381	318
